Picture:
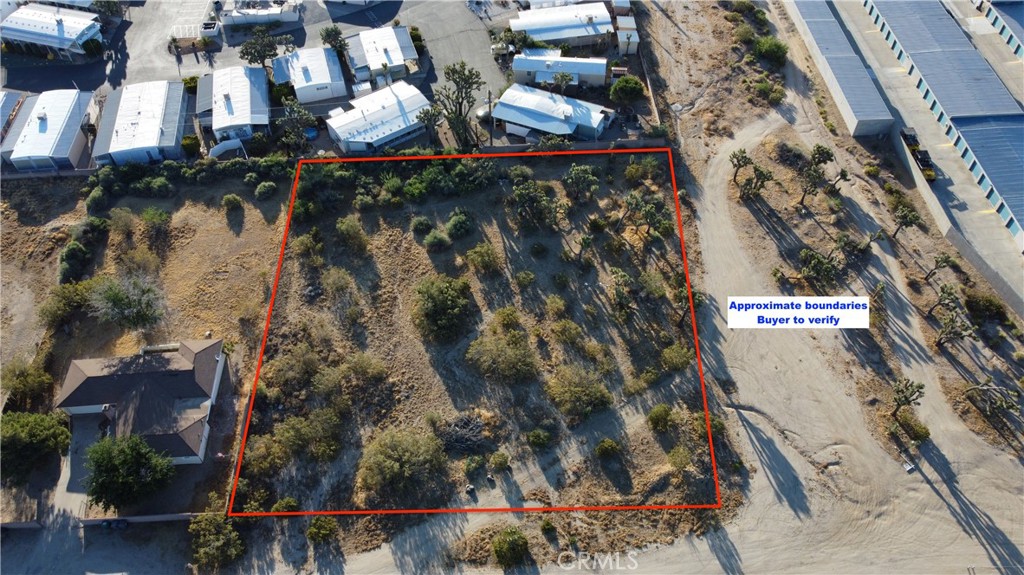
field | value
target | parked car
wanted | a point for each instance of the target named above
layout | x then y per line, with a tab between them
909	136
923	159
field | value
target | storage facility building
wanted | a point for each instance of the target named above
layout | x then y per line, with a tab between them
859	100
524	109
387	48
58	31
575	25
542	69
379	120
315	74
49	132
141	124
10	103
966	97
234	102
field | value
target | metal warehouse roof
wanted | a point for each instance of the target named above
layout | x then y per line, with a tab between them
845	64
1013	16
8	101
380	114
50	26
143	115
549	66
239	97
545	111
998	145
564	22
389	44
305	67
961	79
48	124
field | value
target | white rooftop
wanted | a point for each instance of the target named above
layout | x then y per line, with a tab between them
240	97
564	21
549	65
305	67
139	116
55	114
389	44
50	26
546	111
379	114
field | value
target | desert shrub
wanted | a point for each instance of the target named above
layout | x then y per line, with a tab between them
122	221
321	529
190	145
474	464
626	90
641	381
231	202
96	201
772	50
499	461
132	302
577	391
397	463
140	260
539	438
872	171
525	279
520	174
510	547
265	190
27	385
309	244
660	418
483	257
251	179
717	425
365	368
74	259
983	307
437	241
652	284
64	300
679	457
503	354
607	448
152	187
351	234
285	504
459	225
27	439
538	250
567	332
421	225
744	34
915	429
676	357
560	280
316	434
533	205
554	306
191	84
215	542
507	318
547	527
441	306
742	6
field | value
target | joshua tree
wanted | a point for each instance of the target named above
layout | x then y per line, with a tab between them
754	185
905	217
906	392
739	160
821	155
942	260
810	181
948	299
843	176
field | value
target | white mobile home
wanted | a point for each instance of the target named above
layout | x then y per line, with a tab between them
49	132
576	25
524	109
542	69
58	31
141	123
380	120
234	102
375	51
315	74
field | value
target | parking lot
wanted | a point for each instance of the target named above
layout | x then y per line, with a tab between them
189	15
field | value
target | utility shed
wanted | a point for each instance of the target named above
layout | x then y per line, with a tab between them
314	73
379	120
234	102
49	132
389	48
859	100
542	69
524	109
576	25
141	123
59	31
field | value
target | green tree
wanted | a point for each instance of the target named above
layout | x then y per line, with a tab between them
499	461
322	529
739	160
754	185
627	90
943	260
26	385
293	125
259	48
533	205
441	306
190	145
457	98
331	36
27	439
431	118
132	302
771	49
905	393
215	542
607	448
821	155
579	180
660	418
510	547
954	328
398	462
949	299
577	391
818	268
124	471
561	80
811	178
905	217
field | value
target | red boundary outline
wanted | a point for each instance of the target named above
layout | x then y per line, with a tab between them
270	309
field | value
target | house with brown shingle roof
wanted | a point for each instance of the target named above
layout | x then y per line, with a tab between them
165	394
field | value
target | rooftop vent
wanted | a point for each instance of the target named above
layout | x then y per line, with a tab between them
41	116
